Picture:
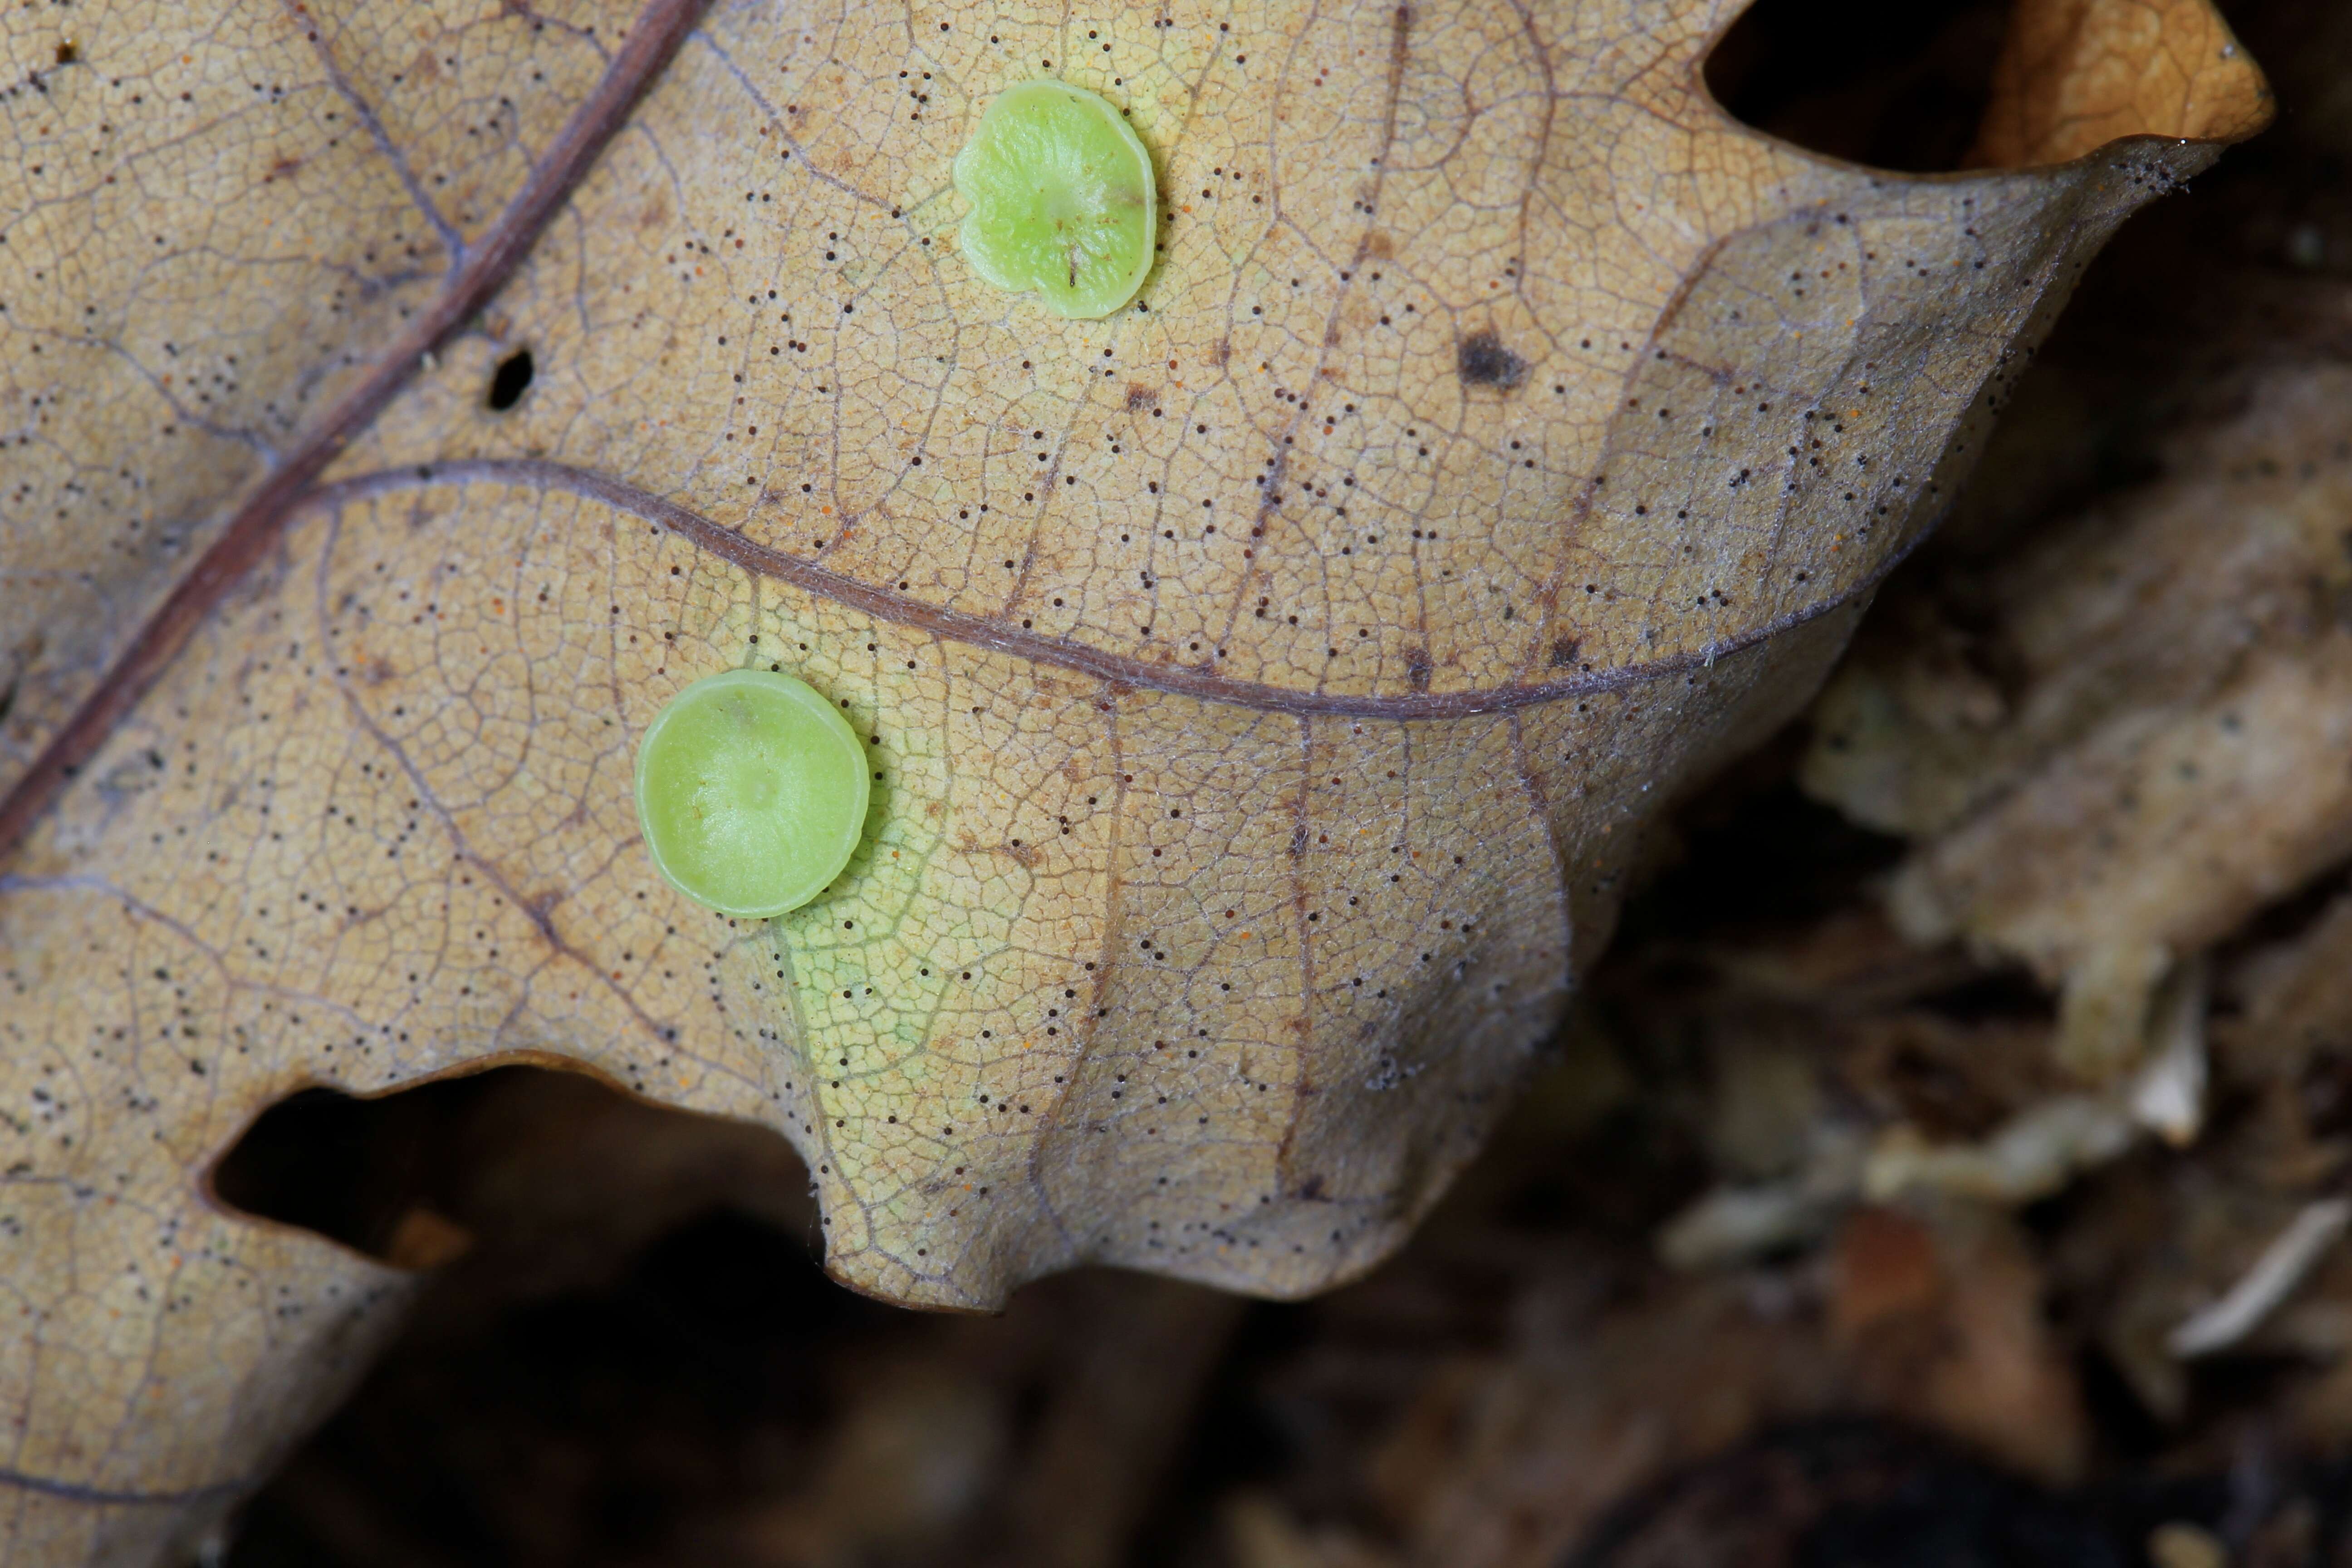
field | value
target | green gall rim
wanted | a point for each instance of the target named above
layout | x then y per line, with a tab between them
752	792
1064	200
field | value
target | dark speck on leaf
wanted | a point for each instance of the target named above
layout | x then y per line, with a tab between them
1482	360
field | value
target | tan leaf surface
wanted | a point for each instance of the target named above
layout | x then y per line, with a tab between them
1267	687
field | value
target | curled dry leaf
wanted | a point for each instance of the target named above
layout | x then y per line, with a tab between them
1267	687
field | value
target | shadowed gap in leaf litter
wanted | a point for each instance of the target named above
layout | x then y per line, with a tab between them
399	1176
1893	86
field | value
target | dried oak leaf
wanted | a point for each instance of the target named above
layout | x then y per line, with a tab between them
1266	685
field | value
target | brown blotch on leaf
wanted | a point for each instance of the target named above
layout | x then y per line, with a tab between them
1564	652
1417	668
1140	398
1482	360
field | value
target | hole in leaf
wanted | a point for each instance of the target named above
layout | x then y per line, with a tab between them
551	1163
318	1159
1895	85
510	381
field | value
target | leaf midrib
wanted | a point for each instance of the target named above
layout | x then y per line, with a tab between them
1122	671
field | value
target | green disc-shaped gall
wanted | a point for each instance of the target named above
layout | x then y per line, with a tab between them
1062	199
751	790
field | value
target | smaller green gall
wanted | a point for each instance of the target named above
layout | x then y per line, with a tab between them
1062	199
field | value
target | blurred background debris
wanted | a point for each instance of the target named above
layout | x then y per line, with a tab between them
1948	1165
